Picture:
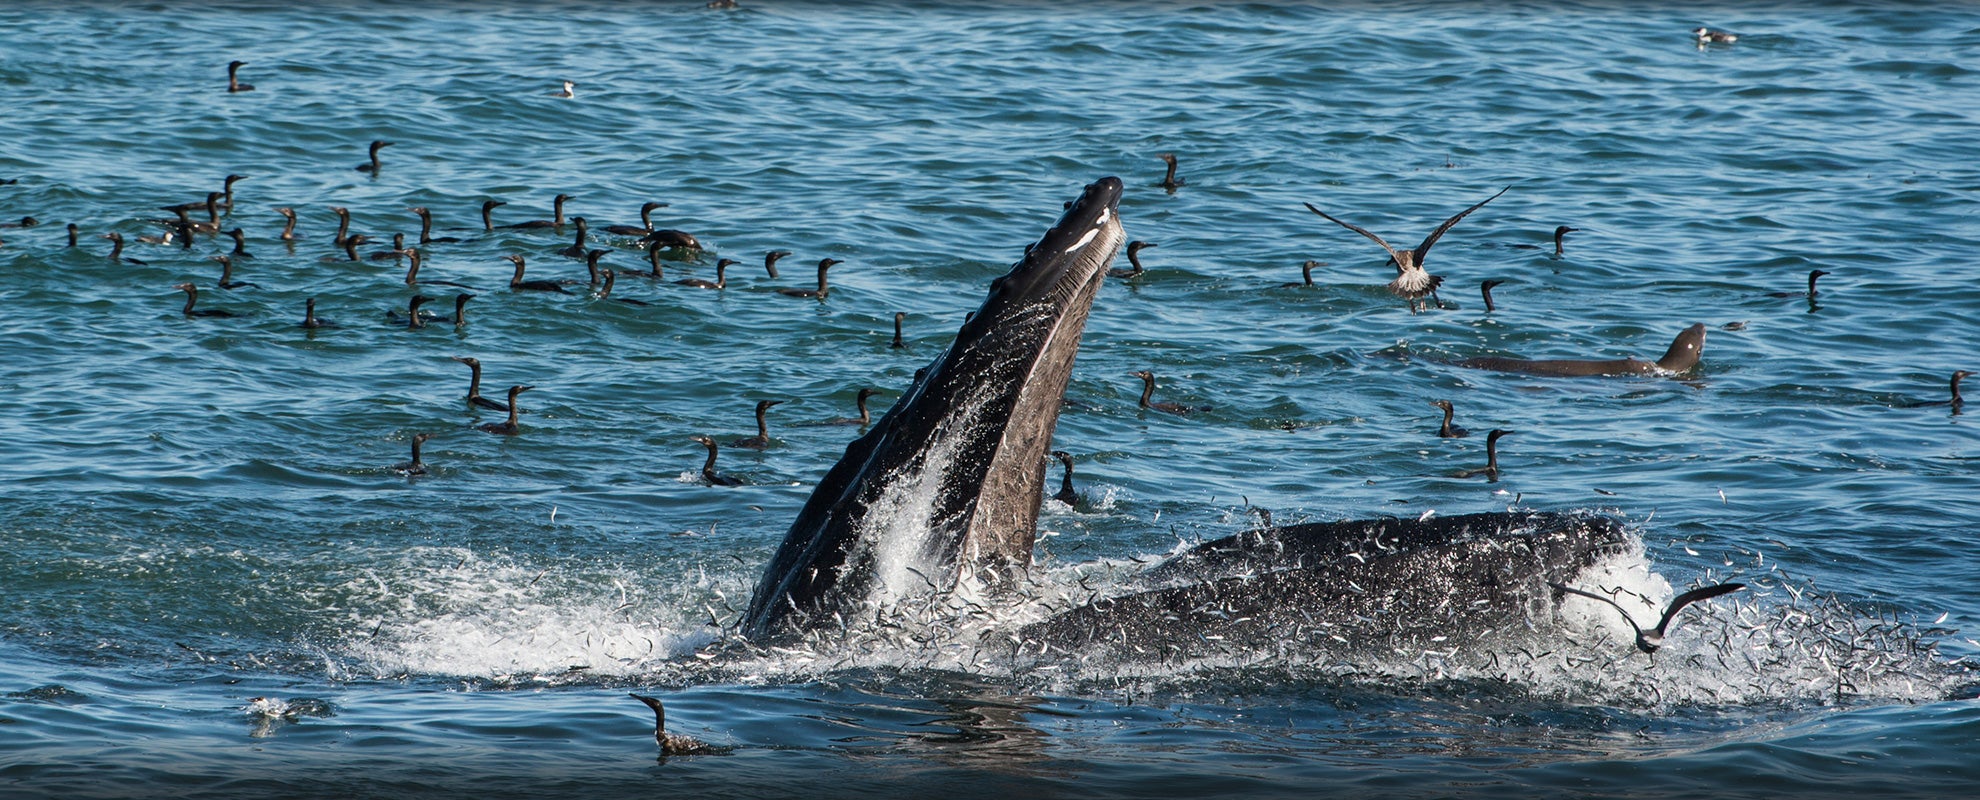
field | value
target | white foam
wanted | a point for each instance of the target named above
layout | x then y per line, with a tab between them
450	612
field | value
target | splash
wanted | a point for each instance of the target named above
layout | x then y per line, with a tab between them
1781	641
507	622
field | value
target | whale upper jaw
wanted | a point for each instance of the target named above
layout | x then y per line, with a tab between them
945	489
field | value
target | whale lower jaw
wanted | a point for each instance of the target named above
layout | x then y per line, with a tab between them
943	492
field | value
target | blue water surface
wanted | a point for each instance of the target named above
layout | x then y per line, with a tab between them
217	585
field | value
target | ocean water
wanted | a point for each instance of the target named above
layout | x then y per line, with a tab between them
217	585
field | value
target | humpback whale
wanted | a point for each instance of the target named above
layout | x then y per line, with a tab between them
942	496
974	428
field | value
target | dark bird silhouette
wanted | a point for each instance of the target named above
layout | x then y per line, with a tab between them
192	296
117	249
488	214
577	249
670	239
708	467
1491	470
1956	401
1169	179
1412	280
343	226
1148	390
510	426
606	293
311	320
898	341
1649	639
721	276
645	222
415	466
426	236
1066	494
415	319
1447	430
234	78
1810	294
1560	233
865	417
672	744
373	165
1305	275
1485	288
240	244
762	438
770	261
823	288
227	190
1134	259
557	216
517	284
474	397
460	310
227	275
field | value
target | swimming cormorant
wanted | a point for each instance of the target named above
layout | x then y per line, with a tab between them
426	227
721	276
373	165
645	222
1447	430
474	397
508	427
577	248
1066	494
1305	275
415	466
192	296
1491	470
822	290
227	275
1485	288
311	320
1148	390
606	293
762	438
1169	179
234	78
1134	258
671	744
557	212
517	284
770	261
708	467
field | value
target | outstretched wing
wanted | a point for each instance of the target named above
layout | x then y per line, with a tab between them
1604	598
1358	229
1703	593
1423	250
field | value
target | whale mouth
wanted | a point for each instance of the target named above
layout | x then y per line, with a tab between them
944	491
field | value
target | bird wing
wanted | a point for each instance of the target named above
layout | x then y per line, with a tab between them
1593	596
1423	250
1356	228
1706	592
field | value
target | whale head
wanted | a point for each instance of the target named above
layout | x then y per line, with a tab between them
945	489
